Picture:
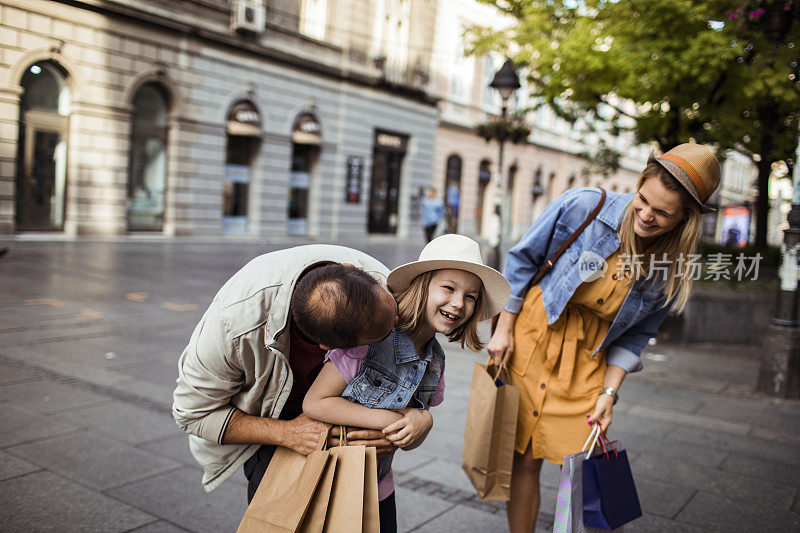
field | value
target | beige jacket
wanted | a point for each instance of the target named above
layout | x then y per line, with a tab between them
238	353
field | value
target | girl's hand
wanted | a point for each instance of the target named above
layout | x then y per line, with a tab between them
413	427
501	345
602	411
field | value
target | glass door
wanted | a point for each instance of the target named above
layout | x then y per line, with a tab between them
41	181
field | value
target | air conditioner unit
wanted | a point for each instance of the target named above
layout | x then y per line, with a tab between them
248	16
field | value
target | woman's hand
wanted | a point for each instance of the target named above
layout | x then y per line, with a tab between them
501	345
602	411
411	429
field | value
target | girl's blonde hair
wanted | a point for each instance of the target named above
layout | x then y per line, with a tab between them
671	248
411	312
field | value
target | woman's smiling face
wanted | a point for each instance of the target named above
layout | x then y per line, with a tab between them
657	210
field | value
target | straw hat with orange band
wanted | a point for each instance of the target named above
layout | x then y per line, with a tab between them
695	167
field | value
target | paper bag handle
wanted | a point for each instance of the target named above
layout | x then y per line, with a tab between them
500	368
595	433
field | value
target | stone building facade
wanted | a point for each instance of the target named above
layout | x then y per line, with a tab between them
536	171
207	117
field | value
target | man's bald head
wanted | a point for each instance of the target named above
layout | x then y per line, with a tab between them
342	306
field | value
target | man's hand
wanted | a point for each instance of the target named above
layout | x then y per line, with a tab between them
364	437
410	429
302	434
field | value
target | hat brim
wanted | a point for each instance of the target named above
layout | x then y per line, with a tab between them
495	285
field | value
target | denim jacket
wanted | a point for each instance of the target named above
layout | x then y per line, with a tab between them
643	309
393	376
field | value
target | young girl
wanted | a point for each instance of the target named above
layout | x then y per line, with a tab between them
390	384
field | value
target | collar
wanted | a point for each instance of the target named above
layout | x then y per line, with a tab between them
614	209
404	350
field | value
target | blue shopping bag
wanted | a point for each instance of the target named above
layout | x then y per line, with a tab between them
609	494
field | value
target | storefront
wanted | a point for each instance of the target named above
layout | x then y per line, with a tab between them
122	126
306	140
41	183
242	147
388	152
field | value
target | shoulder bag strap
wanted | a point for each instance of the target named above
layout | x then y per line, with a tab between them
550	262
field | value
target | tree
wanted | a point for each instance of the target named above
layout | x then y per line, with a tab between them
718	72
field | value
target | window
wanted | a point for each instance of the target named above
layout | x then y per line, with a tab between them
314	18
484	180
491	97
462	75
42	148
147	175
452	197
508	203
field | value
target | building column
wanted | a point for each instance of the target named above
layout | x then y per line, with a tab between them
9	130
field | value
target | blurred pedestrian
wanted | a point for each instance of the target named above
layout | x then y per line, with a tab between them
260	345
570	340
432	213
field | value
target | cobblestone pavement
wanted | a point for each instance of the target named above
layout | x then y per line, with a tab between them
90	332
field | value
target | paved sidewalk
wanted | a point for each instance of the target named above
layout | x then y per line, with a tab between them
89	338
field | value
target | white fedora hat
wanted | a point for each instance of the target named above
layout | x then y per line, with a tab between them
459	252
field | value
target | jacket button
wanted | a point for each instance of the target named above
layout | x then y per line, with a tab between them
399	398
536	413
600	300
542	385
414	367
378	382
624	324
615	277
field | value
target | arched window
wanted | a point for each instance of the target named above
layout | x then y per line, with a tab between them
42	148
484	179
244	137
508	204
306	139
571	182
147	169
551	187
452	197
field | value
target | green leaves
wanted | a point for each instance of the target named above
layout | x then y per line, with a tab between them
692	70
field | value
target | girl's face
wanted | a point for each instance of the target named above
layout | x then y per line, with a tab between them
657	210
451	299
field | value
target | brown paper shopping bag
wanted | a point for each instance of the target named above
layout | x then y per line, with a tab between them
314	521
490	432
285	493
372	522
346	508
328	491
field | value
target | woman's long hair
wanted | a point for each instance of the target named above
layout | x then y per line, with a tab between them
671	249
411	313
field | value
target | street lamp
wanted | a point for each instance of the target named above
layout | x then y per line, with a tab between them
506	82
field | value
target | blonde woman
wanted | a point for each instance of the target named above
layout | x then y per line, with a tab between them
570	340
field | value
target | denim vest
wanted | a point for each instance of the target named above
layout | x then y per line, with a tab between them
393	376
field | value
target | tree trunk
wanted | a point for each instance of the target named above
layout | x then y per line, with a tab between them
768	119
762	200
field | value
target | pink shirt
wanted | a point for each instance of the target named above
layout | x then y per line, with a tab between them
348	362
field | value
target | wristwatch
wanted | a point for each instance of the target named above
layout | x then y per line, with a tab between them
611	392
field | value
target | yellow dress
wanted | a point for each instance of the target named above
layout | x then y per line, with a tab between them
551	364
